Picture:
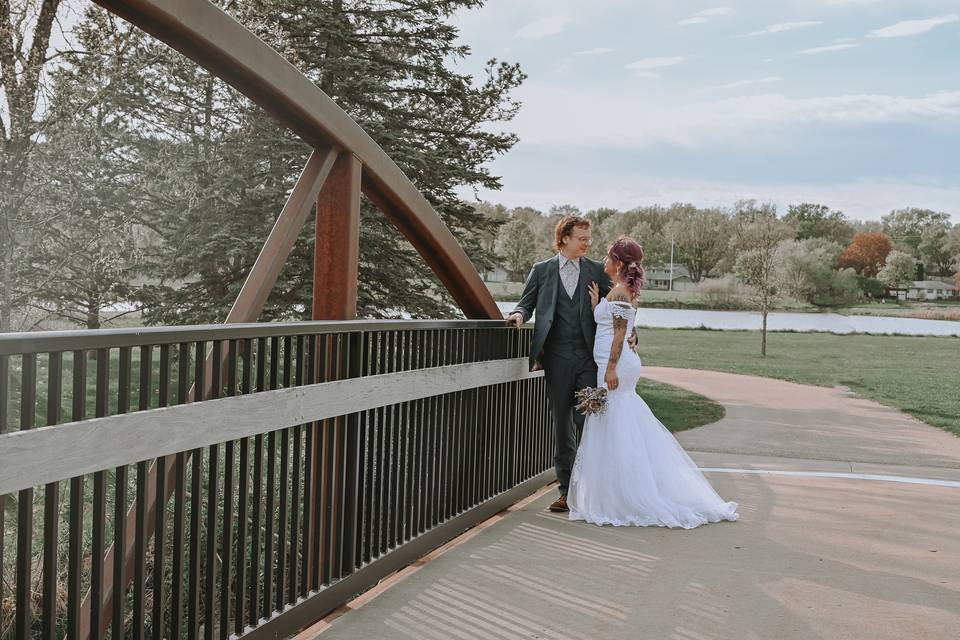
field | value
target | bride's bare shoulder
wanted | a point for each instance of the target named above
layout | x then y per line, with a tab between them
620	293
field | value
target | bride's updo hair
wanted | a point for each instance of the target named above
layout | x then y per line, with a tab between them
629	254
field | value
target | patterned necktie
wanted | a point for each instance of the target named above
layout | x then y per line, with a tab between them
569	276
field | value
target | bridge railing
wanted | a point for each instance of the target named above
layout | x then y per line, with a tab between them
244	480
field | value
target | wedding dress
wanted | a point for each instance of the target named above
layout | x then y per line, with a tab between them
629	468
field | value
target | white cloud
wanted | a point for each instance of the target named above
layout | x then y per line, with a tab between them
781	27
832	47
631	121
548	26
912	27
844	39
594	52
745	83
704	16
719	11
646	64
768	60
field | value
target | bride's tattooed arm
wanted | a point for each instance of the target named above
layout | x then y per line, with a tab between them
616	348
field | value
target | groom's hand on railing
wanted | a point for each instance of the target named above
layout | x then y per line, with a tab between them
515	319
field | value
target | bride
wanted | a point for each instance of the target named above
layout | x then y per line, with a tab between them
629	468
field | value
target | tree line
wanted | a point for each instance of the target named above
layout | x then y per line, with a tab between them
823	257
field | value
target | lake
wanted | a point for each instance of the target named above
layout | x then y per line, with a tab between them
785	321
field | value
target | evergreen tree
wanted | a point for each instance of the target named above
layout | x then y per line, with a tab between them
85	259
390	65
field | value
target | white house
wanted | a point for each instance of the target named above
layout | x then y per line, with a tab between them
929	290
498	274
659	278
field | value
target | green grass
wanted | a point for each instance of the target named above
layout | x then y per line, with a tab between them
679	409
918	375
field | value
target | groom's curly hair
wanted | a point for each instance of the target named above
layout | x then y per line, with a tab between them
565	228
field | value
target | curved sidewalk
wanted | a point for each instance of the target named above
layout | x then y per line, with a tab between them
849	519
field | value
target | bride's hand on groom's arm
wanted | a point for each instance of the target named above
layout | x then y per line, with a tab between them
594	289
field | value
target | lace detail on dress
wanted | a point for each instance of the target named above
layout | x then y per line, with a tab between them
620	309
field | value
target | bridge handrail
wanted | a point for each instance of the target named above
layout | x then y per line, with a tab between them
68	340
324	456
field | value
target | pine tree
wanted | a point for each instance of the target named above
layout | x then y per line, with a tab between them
388	65
86	256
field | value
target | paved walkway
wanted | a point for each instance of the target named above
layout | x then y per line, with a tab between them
849	519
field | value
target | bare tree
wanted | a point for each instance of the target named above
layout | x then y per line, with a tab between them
25	28
757	235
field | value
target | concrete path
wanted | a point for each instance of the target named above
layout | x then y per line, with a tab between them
850	514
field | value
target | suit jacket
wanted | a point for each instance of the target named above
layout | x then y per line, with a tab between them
540	295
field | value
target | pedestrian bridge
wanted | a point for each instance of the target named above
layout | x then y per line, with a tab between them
244	480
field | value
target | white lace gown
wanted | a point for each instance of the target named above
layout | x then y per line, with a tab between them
629	469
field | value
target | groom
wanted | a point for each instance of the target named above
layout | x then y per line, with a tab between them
563	334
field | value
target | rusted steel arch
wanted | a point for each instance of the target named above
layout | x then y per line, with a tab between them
216	41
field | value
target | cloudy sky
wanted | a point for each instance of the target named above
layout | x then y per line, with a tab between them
851	103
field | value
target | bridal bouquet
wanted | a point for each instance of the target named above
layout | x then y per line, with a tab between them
592	400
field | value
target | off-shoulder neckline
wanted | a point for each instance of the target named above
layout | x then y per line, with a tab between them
619	302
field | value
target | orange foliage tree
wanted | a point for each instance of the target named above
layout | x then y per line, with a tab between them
866	254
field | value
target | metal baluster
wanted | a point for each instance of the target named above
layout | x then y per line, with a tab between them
77	505
99	505
196	478
140	540
51	506
160	519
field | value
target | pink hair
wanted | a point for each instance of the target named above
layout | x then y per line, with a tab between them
629	254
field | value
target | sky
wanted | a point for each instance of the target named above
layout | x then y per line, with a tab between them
854	104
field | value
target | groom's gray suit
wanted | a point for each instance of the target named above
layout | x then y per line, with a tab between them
563	345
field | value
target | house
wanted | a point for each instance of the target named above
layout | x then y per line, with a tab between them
498	274
658	277
928	290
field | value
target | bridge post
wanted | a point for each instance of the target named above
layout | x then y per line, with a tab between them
335	271
337	249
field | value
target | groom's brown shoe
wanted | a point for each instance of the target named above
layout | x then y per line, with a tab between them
559	505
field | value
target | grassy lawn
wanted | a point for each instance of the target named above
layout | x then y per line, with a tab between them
918	375
679	409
